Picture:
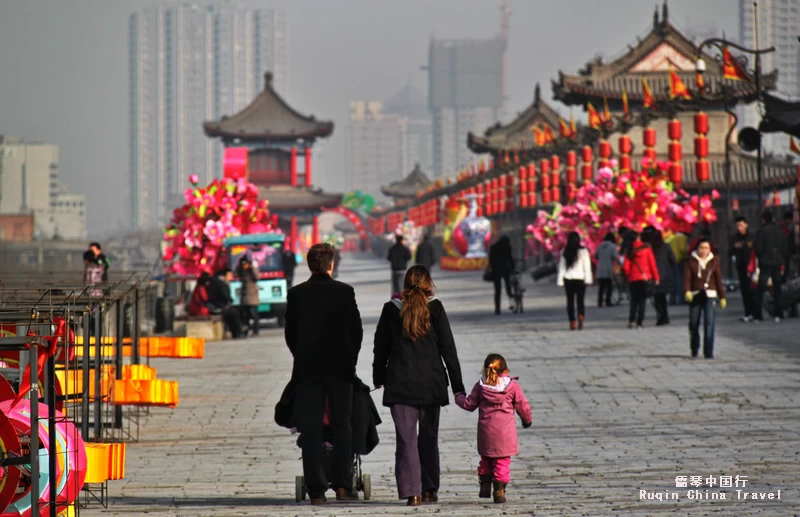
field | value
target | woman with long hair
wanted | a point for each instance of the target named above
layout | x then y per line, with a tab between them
640	270
574	274
665	262
413	345
702	286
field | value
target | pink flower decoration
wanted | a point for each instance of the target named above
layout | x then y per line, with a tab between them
194	179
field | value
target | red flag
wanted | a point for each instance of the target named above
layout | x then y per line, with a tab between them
625	109
563	128
606	113
548	135
538	136
731	69
573	128
793	147
676	86
594	119
648	101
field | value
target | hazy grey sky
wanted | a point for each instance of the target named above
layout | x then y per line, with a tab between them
63	66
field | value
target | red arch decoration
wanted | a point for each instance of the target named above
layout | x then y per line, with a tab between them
353	217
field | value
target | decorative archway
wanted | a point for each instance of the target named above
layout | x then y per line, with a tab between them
354	218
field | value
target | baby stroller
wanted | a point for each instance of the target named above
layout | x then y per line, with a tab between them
364	422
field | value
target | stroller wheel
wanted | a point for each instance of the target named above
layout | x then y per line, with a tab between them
365	479
299	489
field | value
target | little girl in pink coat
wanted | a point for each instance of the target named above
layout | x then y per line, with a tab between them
497	396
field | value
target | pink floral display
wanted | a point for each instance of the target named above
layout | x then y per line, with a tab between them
634	200
224	208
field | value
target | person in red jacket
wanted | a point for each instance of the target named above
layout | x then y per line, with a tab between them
640	269
198	304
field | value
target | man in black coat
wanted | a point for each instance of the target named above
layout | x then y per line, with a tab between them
323	332
220	301
770	248
398	256
740	249
426	256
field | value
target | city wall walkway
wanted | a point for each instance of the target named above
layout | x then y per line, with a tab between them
615	411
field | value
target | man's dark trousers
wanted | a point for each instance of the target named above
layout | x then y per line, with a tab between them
310	409
748	297
764	274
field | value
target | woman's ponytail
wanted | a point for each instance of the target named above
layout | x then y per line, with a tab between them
416	315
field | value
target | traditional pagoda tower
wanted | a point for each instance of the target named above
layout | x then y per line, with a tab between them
651	58
404	191
276	136
519	134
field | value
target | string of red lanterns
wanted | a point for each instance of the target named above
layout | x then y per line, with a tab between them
702	169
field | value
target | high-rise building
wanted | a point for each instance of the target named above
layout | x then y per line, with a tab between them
189	63
413	105
778	21
377	147
466	93
30	185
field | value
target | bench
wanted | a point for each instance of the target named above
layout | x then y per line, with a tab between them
210	327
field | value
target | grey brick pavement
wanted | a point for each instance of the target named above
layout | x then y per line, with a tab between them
615	411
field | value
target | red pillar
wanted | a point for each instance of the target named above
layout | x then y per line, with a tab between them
315	231
293	165
308	166
293	234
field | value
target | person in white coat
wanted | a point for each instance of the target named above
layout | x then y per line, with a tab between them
574	274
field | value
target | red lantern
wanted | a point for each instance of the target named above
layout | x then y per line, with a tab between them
545	182
675	152
523	200
532	185
571	158
531	171
544	166
676	174
625	162
701	123
532	199
701	147
735	204
649	154
702	170
587	171
555	179
586	153
556	195
572	175
776	198
546	196
674	129
555	162
604	149
523	173
649	137
625	146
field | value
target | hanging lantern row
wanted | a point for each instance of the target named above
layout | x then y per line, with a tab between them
604	151
571	173
555	179
625	148
587	171
649	142
675	152
702	169
527	186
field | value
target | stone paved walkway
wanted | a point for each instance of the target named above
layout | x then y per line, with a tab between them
615	412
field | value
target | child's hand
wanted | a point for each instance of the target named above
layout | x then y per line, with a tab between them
460	398
527	425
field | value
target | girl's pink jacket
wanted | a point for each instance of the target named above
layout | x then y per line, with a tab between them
497	429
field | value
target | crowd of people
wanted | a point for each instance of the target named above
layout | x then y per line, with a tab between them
646	265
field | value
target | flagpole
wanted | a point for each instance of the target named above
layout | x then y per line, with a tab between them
758	100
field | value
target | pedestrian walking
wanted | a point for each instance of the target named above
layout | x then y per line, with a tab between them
412	340
426	256
665	262
497	396
679	243
574	274
501	265
289	263
607	256
640	269
791	246
740	250
702	285
323	332
398	256
249	301
770	249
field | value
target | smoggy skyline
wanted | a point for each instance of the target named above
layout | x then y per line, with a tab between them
64	79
